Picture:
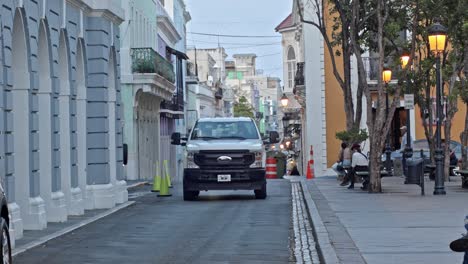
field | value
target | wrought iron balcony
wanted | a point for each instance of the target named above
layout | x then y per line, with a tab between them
371	65
219	93
176	104
299	78
146	60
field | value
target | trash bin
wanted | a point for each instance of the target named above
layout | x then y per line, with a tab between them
280	164
415	171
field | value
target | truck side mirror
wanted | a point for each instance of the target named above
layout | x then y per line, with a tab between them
125	154
175	138
274	137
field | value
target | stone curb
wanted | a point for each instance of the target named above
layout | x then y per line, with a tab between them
69	229
138	184
326	249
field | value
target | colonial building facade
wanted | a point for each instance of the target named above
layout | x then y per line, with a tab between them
61	130
153	73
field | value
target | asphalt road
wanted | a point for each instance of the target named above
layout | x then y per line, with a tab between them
221	227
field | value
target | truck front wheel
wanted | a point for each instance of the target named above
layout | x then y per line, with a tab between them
261	193
190	195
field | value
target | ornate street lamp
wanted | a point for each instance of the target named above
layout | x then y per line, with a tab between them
284	100
437	36
404	59
386	78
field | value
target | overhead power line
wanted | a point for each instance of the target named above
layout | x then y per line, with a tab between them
233	36
229	43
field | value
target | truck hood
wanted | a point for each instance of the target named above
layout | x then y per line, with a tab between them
225	144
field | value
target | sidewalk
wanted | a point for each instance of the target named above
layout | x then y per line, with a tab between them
396	226
33	238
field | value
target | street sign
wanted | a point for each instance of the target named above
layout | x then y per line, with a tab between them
409	101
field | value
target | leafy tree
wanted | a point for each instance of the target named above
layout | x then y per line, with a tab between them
243	108
338	46
352	136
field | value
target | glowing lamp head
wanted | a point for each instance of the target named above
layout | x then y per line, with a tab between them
437	36
284	100
404	59
386	75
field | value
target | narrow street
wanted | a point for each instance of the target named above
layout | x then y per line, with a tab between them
221	227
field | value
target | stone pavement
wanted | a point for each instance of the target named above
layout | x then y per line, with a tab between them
33	238
396	226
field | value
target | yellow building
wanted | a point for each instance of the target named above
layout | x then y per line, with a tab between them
322	97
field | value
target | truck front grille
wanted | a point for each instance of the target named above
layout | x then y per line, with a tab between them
209	159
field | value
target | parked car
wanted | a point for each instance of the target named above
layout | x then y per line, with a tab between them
421	150
5	243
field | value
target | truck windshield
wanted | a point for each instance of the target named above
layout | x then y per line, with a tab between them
225	130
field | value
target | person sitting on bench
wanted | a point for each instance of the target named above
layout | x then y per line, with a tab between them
359	162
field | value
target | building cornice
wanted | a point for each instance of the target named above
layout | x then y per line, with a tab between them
288	29
167	27
110	10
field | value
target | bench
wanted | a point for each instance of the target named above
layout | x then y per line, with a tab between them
464	175
432	168
365	175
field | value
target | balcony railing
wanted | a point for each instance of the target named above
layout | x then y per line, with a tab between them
371	65
219	93
146	60
176	104
299	77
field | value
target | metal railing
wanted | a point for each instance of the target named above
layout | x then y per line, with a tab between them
219	93
146	60
371	66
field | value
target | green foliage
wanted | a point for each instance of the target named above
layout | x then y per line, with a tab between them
352	136
243	108
143	65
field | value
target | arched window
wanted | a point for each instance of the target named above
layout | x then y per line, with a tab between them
291	61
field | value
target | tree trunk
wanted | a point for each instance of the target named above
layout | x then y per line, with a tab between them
375	185
464	141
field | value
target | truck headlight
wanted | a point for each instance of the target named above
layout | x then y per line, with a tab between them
259	160
190	161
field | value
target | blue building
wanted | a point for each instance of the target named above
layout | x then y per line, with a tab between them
60	113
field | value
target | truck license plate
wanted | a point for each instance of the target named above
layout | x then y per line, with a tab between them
224	178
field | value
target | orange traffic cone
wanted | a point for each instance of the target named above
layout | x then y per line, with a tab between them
310	165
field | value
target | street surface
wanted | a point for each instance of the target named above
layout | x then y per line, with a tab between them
221	227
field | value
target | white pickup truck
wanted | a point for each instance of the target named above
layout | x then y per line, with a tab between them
224	154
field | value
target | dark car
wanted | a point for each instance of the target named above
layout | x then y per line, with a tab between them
5	244
421	150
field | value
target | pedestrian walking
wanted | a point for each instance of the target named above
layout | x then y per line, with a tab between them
359	162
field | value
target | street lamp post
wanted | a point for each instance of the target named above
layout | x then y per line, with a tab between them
387	77
437	35
408	152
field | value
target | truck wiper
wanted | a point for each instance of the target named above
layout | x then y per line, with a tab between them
206	138
234	137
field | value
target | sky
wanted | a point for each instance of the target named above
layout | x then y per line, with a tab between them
240	17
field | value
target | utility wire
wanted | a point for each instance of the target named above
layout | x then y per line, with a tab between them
229	43
232	36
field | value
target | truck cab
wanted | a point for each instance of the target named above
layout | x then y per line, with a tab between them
224	154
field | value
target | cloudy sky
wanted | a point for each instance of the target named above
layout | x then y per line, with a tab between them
240	17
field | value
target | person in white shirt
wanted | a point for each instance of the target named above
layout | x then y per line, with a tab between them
359	162
404	138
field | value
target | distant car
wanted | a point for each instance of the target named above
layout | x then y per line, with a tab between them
5	243
422	147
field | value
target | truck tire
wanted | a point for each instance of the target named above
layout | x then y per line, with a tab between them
190	195
261	193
